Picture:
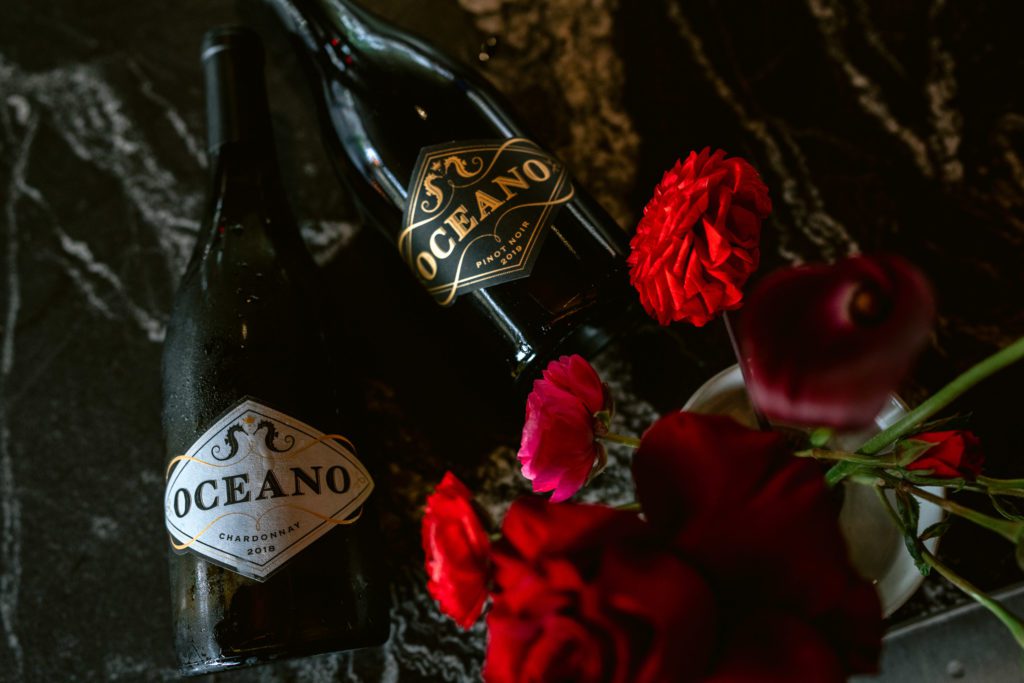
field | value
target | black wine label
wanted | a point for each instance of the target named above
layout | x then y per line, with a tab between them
478	213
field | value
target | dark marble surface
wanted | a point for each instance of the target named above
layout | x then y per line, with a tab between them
877	125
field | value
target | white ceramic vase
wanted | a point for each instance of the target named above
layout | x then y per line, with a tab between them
876	549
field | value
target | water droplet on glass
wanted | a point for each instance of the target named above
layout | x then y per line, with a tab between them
487	49
955	668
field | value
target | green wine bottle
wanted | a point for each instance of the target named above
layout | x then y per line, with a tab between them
488	221
274	545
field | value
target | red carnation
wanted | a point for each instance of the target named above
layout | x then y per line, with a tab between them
825	345
586	593
697	242
956	454
761	525
559	451
458	552
736	572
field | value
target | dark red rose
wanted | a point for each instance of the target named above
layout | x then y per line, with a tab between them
458	552
697	242
825	345
761	526
559	450
586	594
956	454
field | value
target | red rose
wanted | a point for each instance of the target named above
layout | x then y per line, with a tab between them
458	552
825	345
761	526
586	594
956	454
559	450
697	242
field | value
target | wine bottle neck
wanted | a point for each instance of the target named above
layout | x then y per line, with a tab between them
333	25
237	114
240	141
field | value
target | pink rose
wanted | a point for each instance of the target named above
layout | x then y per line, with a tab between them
559	450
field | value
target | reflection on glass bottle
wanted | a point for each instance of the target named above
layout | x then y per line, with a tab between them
488	221
274	553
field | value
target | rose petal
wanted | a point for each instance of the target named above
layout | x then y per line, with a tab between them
559	450
759	522
811	360
776	648
696	244
457	552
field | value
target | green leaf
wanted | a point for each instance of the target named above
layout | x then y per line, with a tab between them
1019	555
909	450
945	424
909	510
914	548
916	477
820	437
1007	508
936	530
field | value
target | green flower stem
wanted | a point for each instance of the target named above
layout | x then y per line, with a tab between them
1011	531
1002	485
939	400
1009	619
887	506
844	456
629	507
762	421
840	471
957	484
946	395
620	438
864	478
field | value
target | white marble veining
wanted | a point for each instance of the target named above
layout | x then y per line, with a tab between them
85	270
941	89
869	93
799	192
873	37
18	136
193	142
569	45
933	152
326	237
91	118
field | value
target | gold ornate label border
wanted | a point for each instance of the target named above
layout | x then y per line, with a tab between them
460	201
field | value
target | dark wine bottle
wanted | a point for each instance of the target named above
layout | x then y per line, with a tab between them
489	222
274	550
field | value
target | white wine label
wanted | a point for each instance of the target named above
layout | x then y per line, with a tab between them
478	213
258	487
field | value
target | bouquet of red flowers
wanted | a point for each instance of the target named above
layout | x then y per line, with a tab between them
730	566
